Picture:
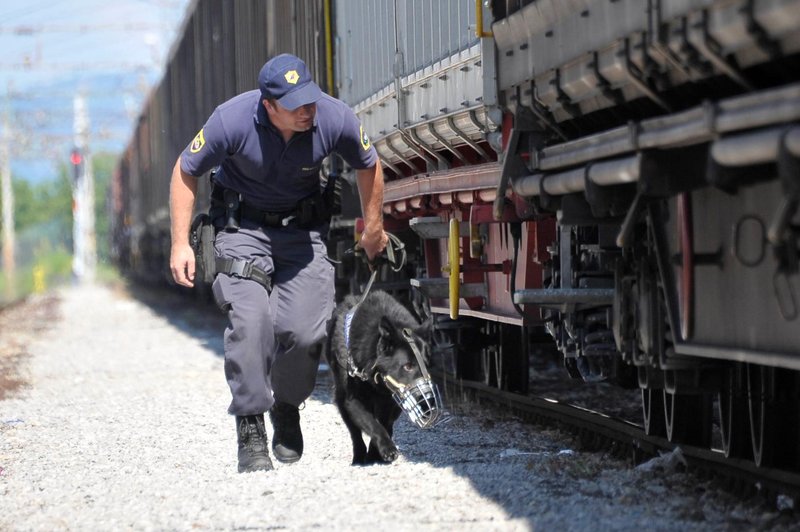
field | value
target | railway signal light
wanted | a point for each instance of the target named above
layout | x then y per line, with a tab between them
76	161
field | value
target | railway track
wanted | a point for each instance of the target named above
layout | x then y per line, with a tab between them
595	430
625	439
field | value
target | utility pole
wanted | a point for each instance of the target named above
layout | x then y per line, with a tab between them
9	262
84	260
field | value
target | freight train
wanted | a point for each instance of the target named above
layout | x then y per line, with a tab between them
623	175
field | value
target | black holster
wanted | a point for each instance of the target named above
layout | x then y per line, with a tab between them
232	213
201	238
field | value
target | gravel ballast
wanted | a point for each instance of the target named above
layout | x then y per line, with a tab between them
122	425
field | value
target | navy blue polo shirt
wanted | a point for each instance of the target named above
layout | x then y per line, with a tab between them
254	160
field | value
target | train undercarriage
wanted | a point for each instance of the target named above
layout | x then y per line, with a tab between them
661	255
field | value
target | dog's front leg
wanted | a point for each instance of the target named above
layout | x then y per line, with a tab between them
359	449
369	425
386	412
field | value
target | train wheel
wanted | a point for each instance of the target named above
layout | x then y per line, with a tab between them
653	412
468	358
514	358
491	358
504	360
774	415
734	423
688	418
761	426
492	366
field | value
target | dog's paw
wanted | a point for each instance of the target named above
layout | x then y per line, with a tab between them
389	453
390	456
382	452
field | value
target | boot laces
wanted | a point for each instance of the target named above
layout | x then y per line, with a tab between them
254	434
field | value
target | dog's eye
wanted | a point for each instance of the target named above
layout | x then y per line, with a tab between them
409	367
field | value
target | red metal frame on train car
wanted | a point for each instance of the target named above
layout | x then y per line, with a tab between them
466	193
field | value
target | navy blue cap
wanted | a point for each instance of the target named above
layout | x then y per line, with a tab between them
286	79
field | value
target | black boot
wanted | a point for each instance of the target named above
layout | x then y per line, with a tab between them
287	439
253	454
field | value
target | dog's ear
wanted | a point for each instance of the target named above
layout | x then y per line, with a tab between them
387	329
425	329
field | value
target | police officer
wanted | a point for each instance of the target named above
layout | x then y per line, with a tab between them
274	280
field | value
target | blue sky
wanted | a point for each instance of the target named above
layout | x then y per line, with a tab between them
113	51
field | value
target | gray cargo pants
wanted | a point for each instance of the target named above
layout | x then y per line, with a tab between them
271	341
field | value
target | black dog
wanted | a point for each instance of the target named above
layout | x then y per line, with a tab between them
366	350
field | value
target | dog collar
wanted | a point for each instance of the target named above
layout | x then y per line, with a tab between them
352	370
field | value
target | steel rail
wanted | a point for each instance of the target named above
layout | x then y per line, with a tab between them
630	438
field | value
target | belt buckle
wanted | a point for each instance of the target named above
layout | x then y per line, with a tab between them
271	219
241	268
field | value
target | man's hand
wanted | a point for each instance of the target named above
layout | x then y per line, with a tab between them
373	243
182	264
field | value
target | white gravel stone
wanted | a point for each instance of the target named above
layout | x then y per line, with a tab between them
123	427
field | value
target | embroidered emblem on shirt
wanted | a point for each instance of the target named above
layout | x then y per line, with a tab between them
198	143
364	139
292	76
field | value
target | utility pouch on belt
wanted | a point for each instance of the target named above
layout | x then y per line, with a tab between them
312	211
201	238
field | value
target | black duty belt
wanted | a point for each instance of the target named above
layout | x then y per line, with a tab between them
262	217
270	219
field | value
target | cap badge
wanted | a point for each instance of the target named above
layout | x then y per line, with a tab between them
198	143
292	76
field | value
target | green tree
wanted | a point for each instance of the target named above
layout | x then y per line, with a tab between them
43	222
103	165
42	202
43	235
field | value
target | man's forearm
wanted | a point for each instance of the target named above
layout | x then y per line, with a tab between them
182	192
370	190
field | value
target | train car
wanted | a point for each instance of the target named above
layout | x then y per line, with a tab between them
622	175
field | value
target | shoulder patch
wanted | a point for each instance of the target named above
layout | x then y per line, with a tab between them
364	139
198	142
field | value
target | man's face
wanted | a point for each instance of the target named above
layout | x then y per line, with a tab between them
301	119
